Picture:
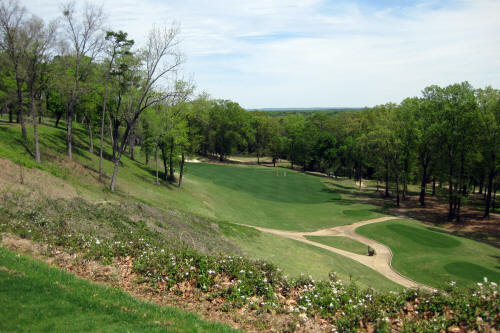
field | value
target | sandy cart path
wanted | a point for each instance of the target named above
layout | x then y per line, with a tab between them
380	262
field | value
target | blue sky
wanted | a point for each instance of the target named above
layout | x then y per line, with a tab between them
308	53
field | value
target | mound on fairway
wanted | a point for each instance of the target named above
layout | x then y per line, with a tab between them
36	297
432	257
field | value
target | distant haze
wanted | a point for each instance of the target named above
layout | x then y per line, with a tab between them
304	109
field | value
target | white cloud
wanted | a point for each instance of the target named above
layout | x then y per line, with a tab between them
285	53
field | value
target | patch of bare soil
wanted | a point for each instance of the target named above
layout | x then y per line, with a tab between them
184	295
14	177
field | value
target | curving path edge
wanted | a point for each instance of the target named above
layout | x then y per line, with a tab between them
381	262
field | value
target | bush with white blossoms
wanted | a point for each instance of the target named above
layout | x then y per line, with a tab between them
243	282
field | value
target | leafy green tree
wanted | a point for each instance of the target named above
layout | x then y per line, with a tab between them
263	129
85	39
13	41
458	125
225	127
427	134
160	58
116	44
39	41
489	127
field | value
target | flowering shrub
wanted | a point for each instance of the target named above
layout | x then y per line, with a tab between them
241	282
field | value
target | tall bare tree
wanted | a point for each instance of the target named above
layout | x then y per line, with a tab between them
40	39
13	41
86	39
161	59
117	44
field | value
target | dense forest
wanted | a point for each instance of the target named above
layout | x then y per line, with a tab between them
74	71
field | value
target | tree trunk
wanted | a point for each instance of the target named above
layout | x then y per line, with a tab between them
115	170
425	164
397	190
156	160
491	176
493	204
221	157
69	128
461	187
101	140
58	118
360	177
164	157
386	182
481	182
35	128
258	159
115	133
433	186
20	116
91	141
450	192
11	120
131	143
181	170
171	161
111	133
117	160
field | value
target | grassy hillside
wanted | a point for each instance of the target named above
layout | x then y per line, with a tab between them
215	196
432	257
178	241
36	297
248	195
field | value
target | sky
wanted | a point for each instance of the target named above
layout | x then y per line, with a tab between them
318	53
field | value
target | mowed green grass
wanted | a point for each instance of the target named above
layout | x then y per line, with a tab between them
242	199
37	298
343	243
265	197
249	195
295	258
432	257
239	194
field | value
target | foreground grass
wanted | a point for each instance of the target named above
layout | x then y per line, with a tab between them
430	256
36	297
343	243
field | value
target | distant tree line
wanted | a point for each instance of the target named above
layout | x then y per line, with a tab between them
73	70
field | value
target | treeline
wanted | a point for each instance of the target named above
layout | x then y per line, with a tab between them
449	136
74	70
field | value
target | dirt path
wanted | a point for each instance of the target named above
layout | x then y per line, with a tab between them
381	262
